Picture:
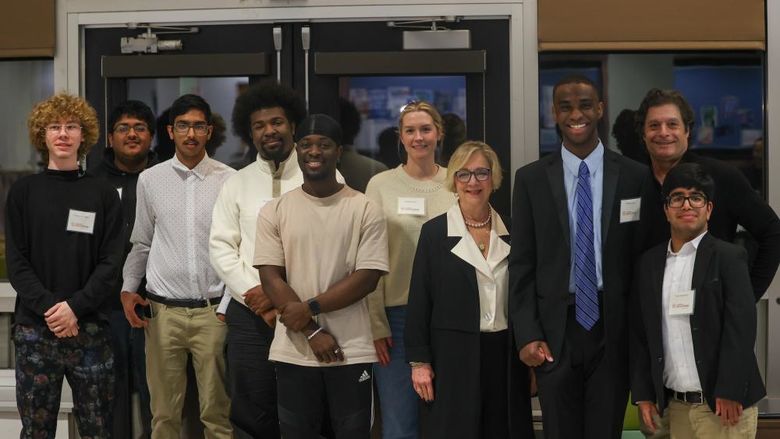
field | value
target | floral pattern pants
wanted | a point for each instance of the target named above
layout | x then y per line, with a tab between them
86	360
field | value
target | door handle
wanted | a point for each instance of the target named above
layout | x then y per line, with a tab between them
278	47
306	43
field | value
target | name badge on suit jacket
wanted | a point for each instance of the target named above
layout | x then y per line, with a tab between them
629	210
81	222
681	303
411	206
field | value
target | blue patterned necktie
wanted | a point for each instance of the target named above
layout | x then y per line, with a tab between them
585	284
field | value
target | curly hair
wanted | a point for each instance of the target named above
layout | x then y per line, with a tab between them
58	107
218	136
265	95
657	97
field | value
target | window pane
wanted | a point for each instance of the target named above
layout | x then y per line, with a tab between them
22	85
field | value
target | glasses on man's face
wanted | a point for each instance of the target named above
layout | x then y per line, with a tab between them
464	175
695	200
55	128
124	128
200	128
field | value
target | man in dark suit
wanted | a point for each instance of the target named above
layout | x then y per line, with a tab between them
694	322
665	122
575	234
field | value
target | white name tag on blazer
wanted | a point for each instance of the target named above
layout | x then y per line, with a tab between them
119	191
81	222
681	303
411	206
629	210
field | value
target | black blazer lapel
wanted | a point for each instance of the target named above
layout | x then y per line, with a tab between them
655	301
558	192
459	265
609	188
703	256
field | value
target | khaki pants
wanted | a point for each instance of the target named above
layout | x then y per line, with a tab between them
172	333
697	421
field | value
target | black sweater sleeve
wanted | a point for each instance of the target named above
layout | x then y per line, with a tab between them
29	288
757	217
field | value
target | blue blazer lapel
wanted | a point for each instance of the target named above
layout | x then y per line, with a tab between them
558	192
611	174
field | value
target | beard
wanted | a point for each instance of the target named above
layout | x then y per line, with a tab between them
276	155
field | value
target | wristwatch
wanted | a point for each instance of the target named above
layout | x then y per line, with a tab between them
314	307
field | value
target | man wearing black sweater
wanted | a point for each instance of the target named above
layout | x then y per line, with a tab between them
665	123
131	130
63	244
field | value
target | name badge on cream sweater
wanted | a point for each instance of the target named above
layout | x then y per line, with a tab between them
411	206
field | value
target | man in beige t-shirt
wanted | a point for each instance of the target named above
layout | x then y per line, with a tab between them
320	250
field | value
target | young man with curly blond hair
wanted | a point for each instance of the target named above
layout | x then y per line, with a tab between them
63	244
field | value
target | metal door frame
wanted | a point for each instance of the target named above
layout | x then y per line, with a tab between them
75	15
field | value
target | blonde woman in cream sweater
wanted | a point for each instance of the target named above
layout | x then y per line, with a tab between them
410	195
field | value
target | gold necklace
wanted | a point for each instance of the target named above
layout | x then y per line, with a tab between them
480	244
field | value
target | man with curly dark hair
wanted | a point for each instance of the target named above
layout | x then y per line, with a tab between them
63	246
255	98
265	116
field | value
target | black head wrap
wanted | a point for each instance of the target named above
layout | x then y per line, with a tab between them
319	124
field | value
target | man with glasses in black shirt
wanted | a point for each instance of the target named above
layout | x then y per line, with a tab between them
131	126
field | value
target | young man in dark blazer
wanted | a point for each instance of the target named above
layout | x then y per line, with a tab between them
575	234
694	322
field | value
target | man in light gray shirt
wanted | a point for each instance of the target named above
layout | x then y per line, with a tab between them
170	247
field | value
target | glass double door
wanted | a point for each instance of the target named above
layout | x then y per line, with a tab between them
332	64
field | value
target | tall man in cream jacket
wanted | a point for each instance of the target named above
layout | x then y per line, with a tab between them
264	116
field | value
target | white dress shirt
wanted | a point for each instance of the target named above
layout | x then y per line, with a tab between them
234	221
680	372
492	272
173	218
